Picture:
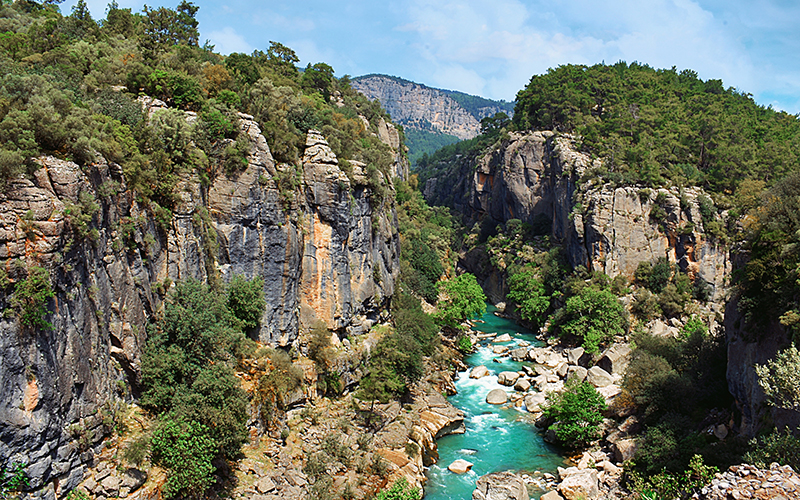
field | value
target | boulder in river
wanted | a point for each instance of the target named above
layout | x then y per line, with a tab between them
577	372
497	397
581	485
500	349
478	372
503	338
500	486
507	378
460	466
574	355
522	385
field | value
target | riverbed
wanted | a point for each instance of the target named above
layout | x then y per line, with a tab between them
496	438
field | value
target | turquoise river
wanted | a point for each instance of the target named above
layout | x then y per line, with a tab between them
496	438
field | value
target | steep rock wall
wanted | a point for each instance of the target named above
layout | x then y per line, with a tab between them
330	252
536	176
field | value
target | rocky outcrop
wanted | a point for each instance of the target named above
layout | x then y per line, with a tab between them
417	106
327	251
543	179
500	486
747	481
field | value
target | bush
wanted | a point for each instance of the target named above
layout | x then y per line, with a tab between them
31	296
400	490
645	305
780	447
577	412
185	450
779	378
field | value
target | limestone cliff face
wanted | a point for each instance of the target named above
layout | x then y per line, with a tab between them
535	176
417	106
329	252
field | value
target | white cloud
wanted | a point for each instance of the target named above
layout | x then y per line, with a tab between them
227	40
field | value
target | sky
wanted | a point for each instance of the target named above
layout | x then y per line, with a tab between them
491	48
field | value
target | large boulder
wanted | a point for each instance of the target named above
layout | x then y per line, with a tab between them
500	486
581	485
503	338
479	372
519	353
574	355
497	397
599	377
460	466
522	385
577	372
534	401
616	359
507	378
624	449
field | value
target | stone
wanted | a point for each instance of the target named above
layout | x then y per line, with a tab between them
534	401
577	372
582	485
721	432
503	338
522	385
599	377
624	449
519	354
551	495
616	359
479	372
500	486
265	485
110	485
500	349
497	397
562	370
460	466
133	479
507	378
574	355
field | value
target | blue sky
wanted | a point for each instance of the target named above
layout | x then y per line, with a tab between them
492	48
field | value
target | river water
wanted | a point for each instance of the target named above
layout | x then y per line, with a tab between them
496	439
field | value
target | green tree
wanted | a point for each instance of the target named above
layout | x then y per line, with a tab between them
246	300
318	77
529	294
593	315
464	299
577	412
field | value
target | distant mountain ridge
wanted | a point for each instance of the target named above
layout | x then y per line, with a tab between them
432	118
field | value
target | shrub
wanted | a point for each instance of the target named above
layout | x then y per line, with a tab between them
780	447
185	450
645	305
779	378
577	412
31	296
400	490
464	344
137	450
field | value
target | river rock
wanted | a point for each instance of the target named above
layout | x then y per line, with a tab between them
497	397
581	485
460	466
503	338
265	485
500	349
519	354
500	486
562	370
551	495
534	401
507	378
522	385
599	377
577	372
479	372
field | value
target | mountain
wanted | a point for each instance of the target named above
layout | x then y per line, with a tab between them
432	118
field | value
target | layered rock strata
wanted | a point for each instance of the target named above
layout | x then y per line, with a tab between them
327	251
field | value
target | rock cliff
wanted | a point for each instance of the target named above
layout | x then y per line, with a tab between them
328	251
541	178
417	106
